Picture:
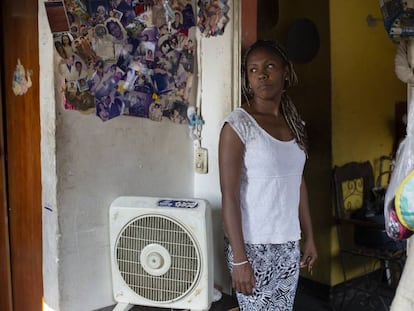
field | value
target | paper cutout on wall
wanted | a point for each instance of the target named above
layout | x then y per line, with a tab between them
22	80
212	17
129	58
56	15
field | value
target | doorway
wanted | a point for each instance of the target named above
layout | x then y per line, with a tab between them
20	181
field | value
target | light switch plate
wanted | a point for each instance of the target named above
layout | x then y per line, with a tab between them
201	160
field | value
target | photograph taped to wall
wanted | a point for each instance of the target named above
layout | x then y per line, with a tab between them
82	101
71	87
127	10
98	8
72	68
138	103
57	41
82	85
109	107
117	14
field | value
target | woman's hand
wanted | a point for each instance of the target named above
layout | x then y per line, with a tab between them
309	249
309	255
243	278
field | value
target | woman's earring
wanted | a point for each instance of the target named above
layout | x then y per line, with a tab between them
249	90
286	84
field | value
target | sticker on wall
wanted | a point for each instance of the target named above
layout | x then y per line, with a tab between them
126	57
212	17
21	79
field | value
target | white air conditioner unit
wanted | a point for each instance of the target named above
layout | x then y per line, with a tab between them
161	253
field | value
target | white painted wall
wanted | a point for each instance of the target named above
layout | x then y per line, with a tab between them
86	163
220	94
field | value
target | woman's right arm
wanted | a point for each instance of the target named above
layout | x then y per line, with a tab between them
230	161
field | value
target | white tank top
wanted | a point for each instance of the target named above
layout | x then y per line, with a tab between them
271	176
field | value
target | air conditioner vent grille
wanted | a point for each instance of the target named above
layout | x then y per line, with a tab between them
182	271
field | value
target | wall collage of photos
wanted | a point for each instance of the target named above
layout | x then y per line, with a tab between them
134	57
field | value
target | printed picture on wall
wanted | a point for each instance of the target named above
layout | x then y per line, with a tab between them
108	107
82	85
117	14
212	17
98	10
133	58
71	87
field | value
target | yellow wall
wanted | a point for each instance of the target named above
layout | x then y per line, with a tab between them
364	86
364	89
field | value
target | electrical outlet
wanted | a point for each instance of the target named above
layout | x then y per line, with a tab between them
201	160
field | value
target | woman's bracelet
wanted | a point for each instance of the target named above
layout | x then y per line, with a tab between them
240	263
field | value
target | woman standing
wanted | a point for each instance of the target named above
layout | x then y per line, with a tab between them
262	153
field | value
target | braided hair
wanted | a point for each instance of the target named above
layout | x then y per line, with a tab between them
288	109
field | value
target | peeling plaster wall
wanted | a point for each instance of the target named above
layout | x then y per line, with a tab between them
87	163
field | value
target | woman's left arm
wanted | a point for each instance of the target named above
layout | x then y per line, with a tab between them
310	253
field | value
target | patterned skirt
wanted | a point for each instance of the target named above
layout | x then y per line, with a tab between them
276	270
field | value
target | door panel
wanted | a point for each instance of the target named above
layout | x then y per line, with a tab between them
5	276
248	23
22	144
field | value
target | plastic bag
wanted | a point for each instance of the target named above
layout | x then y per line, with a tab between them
404	161
404	201
395	229
404	164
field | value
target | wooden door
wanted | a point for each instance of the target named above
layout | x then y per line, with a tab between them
5	275
21	210
248	23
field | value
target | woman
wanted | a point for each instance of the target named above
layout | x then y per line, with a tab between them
262	153
115	29
67	45
60	49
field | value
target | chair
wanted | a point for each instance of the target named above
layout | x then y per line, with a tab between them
361	232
